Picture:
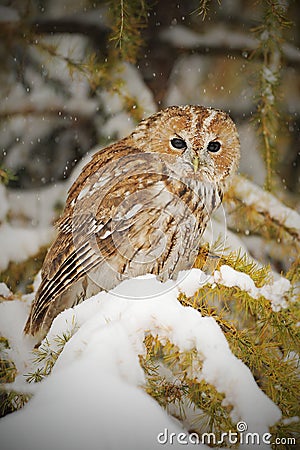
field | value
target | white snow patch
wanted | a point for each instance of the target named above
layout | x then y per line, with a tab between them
18	244
275	292
269	75
290	420
189	281
38	206
182	36
13	315
93	397
119	125
4	291
229	277
137	88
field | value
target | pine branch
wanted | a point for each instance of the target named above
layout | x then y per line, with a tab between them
46	355
181	387
6	175
128	19
262	338
270	38
285	220
11	401
203	9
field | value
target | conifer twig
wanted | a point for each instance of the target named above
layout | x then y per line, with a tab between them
270	41
265	203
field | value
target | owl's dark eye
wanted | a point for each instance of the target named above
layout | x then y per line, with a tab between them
213	146
178	143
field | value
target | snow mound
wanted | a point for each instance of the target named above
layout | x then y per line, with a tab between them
94	397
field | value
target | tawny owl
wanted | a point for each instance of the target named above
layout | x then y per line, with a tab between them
139	206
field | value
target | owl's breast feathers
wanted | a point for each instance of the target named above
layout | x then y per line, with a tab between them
130	210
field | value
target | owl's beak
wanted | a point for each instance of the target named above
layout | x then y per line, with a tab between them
195	163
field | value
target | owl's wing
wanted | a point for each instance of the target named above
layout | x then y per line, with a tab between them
63	266
86	231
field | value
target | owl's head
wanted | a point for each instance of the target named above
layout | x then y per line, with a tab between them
204	141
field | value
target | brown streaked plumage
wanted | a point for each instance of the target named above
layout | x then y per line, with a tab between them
140	206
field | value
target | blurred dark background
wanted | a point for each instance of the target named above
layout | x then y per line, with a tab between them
75	75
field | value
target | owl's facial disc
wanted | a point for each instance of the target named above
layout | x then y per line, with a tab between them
212	147
180	144
197	153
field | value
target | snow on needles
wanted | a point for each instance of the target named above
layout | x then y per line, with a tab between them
274	292
94	396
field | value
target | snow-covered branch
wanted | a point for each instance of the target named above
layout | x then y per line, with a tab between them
109	341
221	40
58	111
265	203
